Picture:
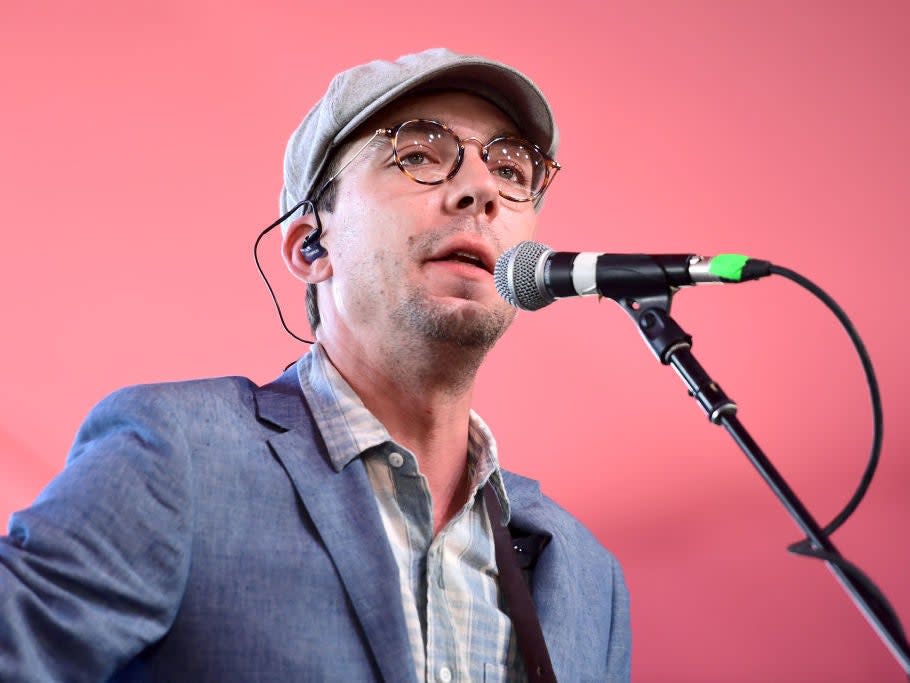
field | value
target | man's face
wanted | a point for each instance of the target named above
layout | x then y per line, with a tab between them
414	262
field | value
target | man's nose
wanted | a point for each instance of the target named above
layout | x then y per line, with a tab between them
473	189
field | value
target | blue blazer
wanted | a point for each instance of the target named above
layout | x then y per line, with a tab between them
199	532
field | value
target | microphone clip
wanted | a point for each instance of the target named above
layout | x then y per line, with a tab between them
651	314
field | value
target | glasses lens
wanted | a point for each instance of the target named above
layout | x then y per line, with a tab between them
425	151
520	169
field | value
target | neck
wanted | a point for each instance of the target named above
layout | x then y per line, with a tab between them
423	403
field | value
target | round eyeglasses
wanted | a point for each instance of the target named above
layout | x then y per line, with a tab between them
430	153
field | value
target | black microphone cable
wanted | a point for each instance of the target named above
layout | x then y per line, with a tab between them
874	395
805	547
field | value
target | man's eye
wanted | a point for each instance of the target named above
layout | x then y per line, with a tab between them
414	159
510	173
416	154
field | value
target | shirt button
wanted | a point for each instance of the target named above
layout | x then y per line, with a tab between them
396	460
445	674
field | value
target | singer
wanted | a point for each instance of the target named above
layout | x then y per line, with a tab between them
346	522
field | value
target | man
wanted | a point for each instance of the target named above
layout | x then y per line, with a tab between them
339	523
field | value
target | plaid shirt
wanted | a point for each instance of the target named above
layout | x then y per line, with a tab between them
455	616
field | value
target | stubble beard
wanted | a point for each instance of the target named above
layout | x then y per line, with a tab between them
470	329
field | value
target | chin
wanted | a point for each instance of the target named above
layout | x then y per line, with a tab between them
460	323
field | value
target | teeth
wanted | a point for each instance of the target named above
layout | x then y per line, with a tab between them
464	256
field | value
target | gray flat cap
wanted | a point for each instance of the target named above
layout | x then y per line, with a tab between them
358	93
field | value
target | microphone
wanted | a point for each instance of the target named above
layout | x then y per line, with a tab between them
530	275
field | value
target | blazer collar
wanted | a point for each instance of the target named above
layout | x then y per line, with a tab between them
343	510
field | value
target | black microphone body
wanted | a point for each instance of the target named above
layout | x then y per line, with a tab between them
531	275
617	276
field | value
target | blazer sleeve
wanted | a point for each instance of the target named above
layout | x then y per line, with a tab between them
94	570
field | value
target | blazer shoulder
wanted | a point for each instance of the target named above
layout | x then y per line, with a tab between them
534	511
198	395
170	407
161	394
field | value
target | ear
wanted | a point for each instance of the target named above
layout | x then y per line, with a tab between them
291	243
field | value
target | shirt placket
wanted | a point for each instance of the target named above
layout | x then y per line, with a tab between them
427	568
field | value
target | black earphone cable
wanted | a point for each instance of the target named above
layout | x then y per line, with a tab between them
311	240
266	231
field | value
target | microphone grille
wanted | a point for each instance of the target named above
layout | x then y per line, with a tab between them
515	275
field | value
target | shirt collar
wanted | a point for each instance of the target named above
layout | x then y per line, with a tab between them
349	429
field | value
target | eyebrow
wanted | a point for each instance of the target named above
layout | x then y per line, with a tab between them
496	133
508	133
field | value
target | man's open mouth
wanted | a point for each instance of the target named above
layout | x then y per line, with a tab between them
465	257
470	257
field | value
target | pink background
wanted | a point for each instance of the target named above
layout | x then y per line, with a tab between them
141	146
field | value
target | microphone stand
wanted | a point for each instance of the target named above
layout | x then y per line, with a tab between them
672	346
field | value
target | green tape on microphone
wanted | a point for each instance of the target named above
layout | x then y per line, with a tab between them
728	266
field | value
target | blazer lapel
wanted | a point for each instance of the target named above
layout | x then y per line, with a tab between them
343	509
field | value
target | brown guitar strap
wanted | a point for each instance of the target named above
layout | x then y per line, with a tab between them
518	599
